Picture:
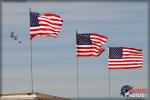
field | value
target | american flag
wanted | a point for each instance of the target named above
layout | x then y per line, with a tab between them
90	44
125	58
48	25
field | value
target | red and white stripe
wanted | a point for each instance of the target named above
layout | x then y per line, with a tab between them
49	26
98	39
131	58
89	50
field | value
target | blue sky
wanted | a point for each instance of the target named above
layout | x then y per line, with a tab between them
54	60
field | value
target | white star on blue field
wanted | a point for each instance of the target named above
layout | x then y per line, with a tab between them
54	59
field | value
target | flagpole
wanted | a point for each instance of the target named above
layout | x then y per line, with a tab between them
109	80
31	67
77	75
109	83
31	60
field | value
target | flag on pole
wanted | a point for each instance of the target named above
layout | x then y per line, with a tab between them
90	44
48	25
125	58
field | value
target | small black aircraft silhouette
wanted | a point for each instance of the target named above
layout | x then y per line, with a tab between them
19	42
15	37
12	35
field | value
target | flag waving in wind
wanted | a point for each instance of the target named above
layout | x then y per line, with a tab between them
90	44
48	25
125	58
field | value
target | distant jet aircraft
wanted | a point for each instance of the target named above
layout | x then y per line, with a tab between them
19	42
12	35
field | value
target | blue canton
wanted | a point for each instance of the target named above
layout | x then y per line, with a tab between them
34	19
115	52
83	39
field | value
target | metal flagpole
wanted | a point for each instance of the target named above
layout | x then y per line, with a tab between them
109	84
31	60
77	73
109	80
